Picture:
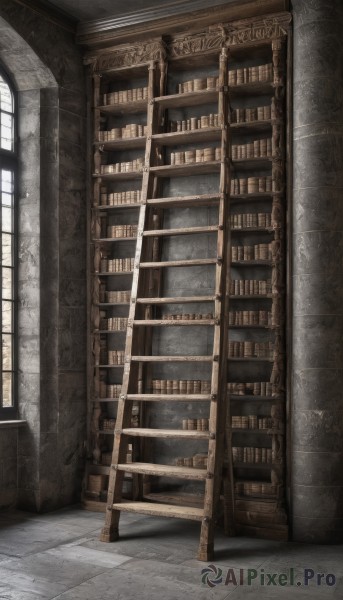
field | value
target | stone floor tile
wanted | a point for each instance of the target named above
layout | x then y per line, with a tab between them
25	583
282	593
58	556
11	593
50	568
120	584
86	556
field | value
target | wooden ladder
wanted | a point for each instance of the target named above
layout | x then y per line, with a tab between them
147	261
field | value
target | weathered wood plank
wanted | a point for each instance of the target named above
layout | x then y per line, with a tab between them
161	510
165	433
164	470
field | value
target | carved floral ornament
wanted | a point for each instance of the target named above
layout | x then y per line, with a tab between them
268	29
130	56
215	38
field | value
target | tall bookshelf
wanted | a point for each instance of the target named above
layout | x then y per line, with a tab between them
158	114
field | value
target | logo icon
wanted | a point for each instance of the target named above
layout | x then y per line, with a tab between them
211	576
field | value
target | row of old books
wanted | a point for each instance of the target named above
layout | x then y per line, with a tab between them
256	149
249	454
251	185
248	115
257	388
118	198
121	231
111	390
255	488
113	324
115	357
195	156
198	84
195	424
118	296
258	73
116	265
256	252
187	317
198	461
251	422
250	287
249	349
240	220
139	93
124	167
117	133
250	317
194	123
180	386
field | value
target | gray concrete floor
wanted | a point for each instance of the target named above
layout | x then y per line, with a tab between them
58	555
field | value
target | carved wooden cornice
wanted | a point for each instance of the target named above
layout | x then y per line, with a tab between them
208	41
129	55
239	33
270	28
233	34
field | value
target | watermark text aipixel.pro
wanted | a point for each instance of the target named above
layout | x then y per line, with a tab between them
212	576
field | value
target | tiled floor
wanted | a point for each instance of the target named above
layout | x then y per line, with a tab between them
58	555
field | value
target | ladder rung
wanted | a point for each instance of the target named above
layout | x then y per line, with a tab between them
171	397
174	322
176	300
179	263
161	510
172	358
180	231
174	497
165	433
164	470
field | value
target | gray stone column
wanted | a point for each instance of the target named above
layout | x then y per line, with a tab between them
317	366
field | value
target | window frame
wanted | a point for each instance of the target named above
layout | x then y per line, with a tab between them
9	161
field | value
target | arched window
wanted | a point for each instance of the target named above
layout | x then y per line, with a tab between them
8	164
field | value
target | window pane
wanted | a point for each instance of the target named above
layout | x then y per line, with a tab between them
6	98
6	352
6	131
6	199
6	216
7	250
7	232
7	181
7	390
7	292
7	314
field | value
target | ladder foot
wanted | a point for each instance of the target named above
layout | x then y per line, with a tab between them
109	534
205	552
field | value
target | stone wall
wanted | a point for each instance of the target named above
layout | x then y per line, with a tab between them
317	440
8	467
46	67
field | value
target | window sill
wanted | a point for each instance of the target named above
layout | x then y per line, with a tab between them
11	424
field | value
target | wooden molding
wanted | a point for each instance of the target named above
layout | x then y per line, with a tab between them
172	18
212	39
